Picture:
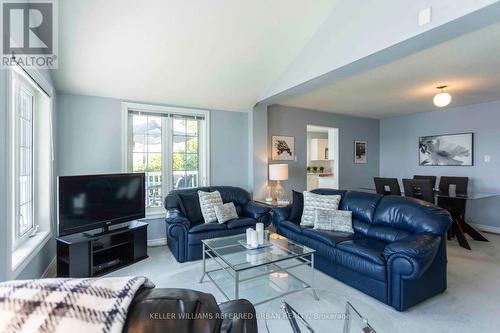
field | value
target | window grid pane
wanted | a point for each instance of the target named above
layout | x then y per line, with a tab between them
185	159
25	162
146	155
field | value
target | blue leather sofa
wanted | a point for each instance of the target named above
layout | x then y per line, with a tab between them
186	228
397	253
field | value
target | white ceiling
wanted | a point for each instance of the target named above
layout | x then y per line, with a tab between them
217	54
469	65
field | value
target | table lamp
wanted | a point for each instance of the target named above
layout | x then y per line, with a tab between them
278	172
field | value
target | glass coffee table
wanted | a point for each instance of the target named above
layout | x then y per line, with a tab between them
259	275
334	311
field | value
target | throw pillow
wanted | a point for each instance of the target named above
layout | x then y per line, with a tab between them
208	201
226	212
190	206
297	207
313	201
334	220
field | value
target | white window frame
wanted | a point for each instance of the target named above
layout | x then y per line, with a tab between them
167	168
20	84
20	252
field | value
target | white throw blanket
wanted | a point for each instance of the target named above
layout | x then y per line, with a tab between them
67	305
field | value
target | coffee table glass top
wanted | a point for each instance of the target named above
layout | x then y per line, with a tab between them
239	258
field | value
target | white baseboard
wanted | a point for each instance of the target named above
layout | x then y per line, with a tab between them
487	228
157	242
51	270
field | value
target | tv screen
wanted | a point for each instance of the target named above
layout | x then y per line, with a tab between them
96	201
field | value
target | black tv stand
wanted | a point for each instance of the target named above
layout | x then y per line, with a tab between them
86	255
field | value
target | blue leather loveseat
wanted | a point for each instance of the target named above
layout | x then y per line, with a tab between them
397	253
185	225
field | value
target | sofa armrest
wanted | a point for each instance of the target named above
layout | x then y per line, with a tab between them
238	317
413	254
175	216
257	211
281	214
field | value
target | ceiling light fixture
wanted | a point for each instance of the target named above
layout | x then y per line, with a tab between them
442	99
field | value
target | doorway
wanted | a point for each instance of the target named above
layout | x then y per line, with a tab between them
322	157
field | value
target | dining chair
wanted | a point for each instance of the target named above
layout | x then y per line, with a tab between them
419	188
431	178
456	206
387	186
461	184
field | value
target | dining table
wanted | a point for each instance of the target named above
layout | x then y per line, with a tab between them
455	204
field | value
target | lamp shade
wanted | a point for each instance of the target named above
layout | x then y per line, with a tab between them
278	171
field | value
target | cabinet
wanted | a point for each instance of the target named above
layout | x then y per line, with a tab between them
80	255
319	150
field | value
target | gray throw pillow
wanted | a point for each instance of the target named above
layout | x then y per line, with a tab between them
208	201
313	201
334	220
226	212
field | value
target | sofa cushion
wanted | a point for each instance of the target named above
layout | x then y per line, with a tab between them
236	195
333	220
190	206
208	201
370	249
362	205
241	222
386	234
330	237
291	226
297	207
226	212
365	267
203	227
313	201
413	215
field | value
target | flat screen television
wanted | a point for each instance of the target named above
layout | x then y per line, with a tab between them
98	201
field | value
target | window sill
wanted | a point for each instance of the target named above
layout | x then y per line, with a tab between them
23	255
155	215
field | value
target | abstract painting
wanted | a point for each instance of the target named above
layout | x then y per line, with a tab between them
283	148
446	150
360	152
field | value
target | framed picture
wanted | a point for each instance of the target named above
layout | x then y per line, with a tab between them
283	148
360	152
446	150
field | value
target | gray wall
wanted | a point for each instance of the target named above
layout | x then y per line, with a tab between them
289	121
89	141
399	151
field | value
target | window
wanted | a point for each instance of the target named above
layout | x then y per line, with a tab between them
30	167
169	145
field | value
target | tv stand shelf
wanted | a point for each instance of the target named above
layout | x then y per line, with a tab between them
83	255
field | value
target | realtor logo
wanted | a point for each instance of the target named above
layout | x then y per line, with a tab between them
29	35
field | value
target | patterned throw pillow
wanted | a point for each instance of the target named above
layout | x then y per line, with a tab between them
313	201
334	220
226	212
208	201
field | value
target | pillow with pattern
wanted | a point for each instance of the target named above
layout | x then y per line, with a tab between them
208	201
226	212
313	201
334	220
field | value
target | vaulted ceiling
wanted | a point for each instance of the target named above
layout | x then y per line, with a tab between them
218	54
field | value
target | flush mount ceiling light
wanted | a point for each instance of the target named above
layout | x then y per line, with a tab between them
442	99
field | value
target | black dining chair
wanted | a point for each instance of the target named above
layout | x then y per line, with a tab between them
461	184
419	188
431	178
456	206
387	186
